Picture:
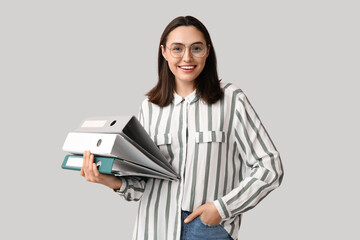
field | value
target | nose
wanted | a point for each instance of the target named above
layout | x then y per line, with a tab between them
187	55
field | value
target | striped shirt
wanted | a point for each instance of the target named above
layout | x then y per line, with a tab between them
222	153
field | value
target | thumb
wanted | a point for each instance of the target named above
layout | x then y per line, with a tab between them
193	215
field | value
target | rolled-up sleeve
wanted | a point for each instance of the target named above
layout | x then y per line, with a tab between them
132	188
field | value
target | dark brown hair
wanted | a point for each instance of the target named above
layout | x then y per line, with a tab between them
207	84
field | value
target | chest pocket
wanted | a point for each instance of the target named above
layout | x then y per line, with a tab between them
162	139
210	136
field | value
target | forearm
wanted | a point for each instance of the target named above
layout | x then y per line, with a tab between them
112	182
263	178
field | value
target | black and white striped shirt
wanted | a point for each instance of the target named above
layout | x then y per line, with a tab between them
221	151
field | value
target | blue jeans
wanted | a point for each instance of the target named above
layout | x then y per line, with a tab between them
197	229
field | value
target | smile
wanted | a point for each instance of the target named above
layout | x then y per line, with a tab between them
187	67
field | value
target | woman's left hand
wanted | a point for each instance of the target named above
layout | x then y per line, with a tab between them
207	212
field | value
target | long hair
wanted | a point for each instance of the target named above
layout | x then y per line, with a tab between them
207	84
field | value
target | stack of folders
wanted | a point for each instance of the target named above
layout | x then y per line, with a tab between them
121	147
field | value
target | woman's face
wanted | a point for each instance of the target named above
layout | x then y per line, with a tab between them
188	67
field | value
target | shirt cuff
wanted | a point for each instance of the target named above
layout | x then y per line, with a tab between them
123	187
222	209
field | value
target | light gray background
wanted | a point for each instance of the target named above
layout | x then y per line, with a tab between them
63	61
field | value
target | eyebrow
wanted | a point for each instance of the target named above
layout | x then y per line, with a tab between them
177	43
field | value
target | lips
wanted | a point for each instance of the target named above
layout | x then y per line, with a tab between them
187	68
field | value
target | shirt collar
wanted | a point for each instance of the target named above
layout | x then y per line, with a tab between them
191	98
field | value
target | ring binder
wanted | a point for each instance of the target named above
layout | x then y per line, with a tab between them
122	141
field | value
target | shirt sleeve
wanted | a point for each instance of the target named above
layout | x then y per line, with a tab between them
132	188
260	156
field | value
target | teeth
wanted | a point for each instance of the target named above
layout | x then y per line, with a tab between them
187	67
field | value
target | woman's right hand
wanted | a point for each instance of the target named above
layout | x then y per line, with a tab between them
91	173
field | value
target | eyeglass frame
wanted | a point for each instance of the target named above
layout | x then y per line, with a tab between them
207	47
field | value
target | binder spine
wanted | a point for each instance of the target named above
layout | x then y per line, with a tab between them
74	162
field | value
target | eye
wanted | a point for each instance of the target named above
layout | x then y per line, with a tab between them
197	48
177	48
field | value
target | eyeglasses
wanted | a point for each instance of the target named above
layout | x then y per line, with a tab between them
177	50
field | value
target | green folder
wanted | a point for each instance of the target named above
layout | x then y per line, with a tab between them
74	162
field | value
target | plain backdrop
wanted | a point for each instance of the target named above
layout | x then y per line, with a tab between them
63	61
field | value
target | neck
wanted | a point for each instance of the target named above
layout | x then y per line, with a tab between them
183	89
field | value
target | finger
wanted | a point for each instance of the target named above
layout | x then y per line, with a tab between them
95	170
82	173
84	161
193	215
90	160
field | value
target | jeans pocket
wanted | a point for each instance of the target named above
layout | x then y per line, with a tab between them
208	225
207	231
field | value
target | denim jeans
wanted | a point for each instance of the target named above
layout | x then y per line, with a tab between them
197	229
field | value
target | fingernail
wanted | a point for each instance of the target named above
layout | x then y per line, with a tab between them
186	220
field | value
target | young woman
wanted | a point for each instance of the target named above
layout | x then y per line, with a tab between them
212	137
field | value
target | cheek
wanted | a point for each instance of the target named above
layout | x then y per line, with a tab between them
201	65
173	65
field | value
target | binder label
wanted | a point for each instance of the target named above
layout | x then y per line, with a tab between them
74	162
93	124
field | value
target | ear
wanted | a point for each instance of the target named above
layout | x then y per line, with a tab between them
208	50
163	51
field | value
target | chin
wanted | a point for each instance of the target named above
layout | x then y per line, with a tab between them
187	79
